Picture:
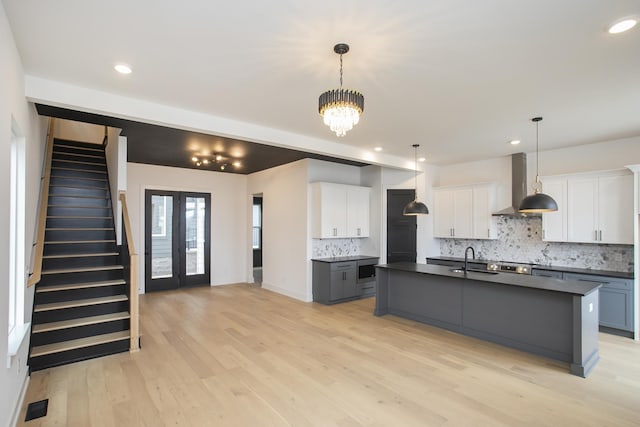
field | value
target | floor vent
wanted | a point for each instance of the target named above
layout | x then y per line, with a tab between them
37	410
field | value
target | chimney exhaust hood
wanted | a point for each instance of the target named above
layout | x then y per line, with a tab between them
518	186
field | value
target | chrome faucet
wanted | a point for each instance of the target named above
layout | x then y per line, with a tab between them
466	252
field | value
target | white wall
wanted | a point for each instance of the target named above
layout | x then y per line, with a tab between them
285	241
13	105
229	213
116	156
78	131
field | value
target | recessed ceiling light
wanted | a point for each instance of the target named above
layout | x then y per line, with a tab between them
377	149
514	142
123	68
422	159
236	164
622	25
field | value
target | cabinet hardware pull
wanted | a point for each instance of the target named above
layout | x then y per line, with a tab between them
600	235
488	232
596	235
358	231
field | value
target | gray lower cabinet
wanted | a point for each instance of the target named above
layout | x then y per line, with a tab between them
335	281
616	300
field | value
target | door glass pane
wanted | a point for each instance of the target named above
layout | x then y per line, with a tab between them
195	235
161	236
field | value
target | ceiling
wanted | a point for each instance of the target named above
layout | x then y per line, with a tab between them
459	77
159	145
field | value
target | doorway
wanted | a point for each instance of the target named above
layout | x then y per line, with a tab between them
401	229
177	239
256	232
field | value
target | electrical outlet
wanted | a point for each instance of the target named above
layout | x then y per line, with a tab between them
590	307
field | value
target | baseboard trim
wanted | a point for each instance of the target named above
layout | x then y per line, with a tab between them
23	392
277	289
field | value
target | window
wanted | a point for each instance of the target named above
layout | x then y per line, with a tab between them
159	217
257	225
17	266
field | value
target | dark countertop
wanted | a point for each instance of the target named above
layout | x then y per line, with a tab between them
345	258
618	274
533	282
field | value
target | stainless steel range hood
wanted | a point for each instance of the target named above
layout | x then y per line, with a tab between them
518	185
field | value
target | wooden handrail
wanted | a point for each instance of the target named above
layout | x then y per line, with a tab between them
38	245
134	309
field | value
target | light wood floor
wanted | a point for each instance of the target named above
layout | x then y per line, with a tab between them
239	355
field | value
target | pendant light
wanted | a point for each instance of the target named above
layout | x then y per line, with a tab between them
415	207
341	108
538	202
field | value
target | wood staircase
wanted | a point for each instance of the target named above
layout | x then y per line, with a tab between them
81	308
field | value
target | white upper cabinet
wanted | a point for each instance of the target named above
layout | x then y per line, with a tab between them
485	225
465	212
600	208
339	211
554	224
358	201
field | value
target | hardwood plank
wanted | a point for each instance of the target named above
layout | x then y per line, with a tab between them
82	321
239	355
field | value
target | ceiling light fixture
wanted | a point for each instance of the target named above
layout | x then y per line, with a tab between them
378	149
341	108
622	25
122	68
538	202
514	142
216	159
415	207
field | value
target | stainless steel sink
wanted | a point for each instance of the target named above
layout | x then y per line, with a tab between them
472	270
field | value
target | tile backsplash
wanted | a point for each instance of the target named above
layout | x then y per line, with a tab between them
328	248
519	240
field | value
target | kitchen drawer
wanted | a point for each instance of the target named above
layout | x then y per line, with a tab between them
446	263
608	282
547	273
341	266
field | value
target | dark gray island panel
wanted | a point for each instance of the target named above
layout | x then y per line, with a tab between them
536	316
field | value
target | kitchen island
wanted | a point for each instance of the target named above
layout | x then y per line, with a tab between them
545	316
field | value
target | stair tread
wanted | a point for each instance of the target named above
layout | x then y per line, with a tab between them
78	303
84	285
81	321
83	269
77	170
80	255
78	162
62	144
80	187
78	228
77	217
58	242
66	153
76	177
81	196
78	343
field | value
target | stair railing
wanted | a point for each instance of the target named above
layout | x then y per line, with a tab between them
38	243
130	255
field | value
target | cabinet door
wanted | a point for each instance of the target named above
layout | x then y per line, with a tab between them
336	285
443	209
358	212
547	273
333	211
484	223
463	214
350	288
554	224
615	308
615	209
582	207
